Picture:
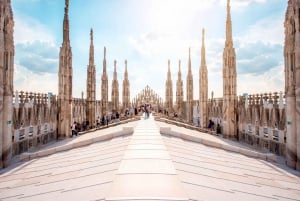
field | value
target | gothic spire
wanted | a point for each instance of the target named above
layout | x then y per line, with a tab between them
104	62
190	63
228	42
66	37
115	69
91	48
65	76
203	61
126	72
169	71
179	71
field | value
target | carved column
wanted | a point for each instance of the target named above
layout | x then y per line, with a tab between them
6	81
292	82
65	80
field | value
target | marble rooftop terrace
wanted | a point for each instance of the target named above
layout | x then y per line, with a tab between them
136	162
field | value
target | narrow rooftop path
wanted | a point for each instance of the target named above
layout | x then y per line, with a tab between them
146	171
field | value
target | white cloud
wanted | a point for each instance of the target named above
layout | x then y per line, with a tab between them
28	29
241	3
269	29
269	81
36	57
26	80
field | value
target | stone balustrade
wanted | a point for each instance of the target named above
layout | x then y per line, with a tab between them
261	120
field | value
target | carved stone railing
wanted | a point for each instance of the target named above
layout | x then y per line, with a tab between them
261	120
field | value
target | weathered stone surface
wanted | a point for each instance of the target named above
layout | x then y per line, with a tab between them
169	92
292	82
203	87
229	110
115	90
65	80
104	87
91	86
189	91
7	53
126	90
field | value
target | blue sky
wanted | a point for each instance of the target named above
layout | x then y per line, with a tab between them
147	33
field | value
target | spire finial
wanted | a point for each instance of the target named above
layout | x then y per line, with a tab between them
91	34
104	52
228	26
189	62
228	7
203	33
66	23
203	61
66	7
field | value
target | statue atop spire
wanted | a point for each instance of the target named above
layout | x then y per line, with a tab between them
203	60
115	69
91	34
67	5
189	62
91	61
228	42
66	23
203	33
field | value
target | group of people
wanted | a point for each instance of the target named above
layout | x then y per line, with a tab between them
147	110
211	126
105	119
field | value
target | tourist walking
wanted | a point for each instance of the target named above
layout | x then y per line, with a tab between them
73	127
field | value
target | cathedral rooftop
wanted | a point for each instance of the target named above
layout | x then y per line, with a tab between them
141	161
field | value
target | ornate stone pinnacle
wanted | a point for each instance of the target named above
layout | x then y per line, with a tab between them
67	4
91	34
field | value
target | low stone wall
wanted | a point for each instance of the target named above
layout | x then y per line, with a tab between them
264	142
80	143
255	154
185	125
258	142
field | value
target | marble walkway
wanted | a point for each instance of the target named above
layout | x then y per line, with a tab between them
145	166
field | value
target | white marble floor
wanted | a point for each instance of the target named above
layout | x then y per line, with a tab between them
147	166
